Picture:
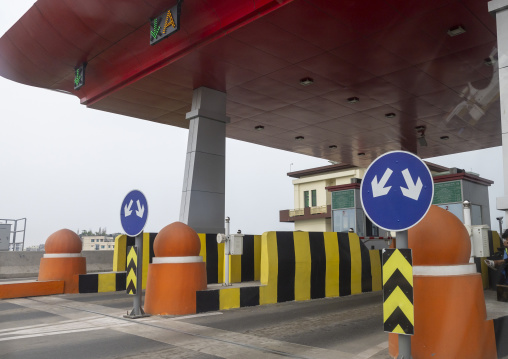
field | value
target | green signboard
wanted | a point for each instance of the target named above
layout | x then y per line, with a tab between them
447	192
343	199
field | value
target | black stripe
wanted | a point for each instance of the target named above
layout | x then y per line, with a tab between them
249	296
317	265
286	270
121	278
207	300
398	318
212	259
131	241
501	333
152	239
478	262
88	283
366	268
131	265
344	264
397	279
248	259
131	288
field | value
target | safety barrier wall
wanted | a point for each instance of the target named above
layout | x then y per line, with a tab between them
243	268
302	266
102	282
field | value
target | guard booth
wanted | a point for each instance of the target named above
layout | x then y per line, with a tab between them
451	189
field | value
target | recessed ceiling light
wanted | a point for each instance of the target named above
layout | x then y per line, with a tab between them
306	81
332	146
259	128
361	153
390	115
456	30
353	99
299	138
444	138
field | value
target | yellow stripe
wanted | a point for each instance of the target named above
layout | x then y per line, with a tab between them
496	241
332	264
120	253
397	261
235	274
398	330
131	277
220	262
229	298
398	299
375	269
356	263
257	257
146	258
202	240
269	268
107	282
302	265
132	255
485	273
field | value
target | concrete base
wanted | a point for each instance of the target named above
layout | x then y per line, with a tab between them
66	269
171	287
450	319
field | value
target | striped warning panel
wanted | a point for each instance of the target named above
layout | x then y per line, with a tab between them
132	260
102	282
226	298
310	265
398	310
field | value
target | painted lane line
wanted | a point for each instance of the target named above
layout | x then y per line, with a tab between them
369	353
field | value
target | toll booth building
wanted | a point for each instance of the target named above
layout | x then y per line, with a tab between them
328	198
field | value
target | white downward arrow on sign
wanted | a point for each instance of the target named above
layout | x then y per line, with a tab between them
378	188
128	209
140	210
413	190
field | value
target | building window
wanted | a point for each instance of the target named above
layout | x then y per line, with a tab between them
93	240
102	247
314	198
306	199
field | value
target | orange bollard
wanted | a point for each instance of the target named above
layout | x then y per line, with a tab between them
176	273
62	260
449	305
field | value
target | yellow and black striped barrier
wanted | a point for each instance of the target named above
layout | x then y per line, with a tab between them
244	268
302	266
309	265
398	309
132	260
102	282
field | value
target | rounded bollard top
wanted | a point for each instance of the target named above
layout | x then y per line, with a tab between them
440	238
63	241
177	240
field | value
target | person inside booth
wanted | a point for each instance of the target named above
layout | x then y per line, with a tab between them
501	264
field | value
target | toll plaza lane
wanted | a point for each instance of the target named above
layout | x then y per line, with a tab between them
92	326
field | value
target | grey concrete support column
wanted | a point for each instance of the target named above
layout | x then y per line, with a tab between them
204	185
499	8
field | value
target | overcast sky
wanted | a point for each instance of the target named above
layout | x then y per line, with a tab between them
66	166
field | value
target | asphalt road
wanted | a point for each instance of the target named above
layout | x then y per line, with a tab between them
92	326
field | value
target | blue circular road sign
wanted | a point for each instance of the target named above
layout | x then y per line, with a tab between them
133	213
397	190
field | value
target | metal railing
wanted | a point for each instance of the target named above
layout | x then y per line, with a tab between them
318	209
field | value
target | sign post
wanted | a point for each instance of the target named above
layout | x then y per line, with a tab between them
396	193
133	216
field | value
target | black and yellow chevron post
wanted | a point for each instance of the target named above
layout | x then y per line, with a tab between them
132	260
398	309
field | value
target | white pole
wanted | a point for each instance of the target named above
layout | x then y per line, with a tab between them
467	223
226	254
